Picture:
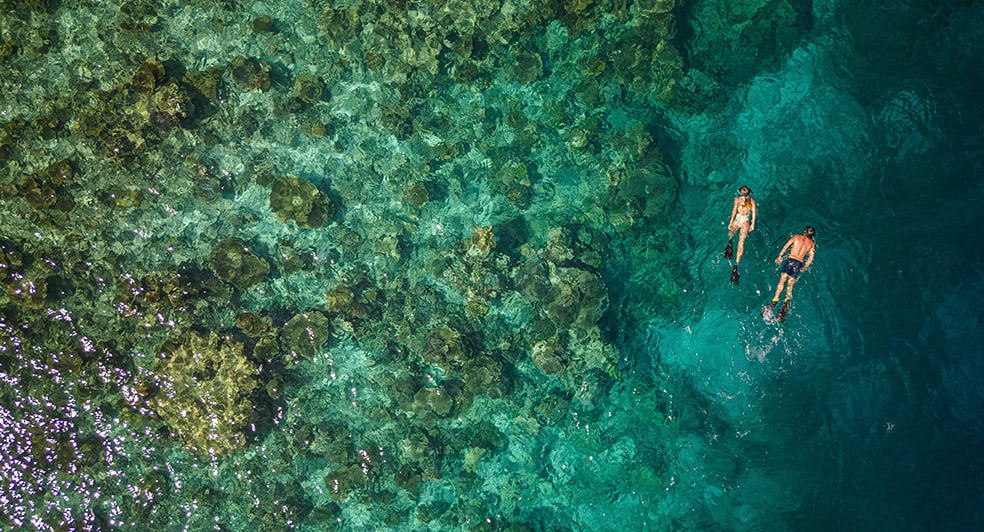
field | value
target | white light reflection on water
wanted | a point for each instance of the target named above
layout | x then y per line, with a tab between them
66	453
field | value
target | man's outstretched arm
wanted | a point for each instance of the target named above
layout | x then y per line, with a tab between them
809	258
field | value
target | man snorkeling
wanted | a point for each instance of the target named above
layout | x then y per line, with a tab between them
802	250
742	221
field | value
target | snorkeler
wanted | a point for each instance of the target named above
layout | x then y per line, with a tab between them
742	221
802	250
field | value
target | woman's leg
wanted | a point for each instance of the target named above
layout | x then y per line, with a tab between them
742	233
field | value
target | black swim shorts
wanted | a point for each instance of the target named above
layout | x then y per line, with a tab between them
792	267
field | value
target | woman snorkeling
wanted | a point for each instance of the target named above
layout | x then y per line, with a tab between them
742	221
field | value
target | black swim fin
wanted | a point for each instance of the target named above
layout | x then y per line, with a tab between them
735	275
783	310
728	254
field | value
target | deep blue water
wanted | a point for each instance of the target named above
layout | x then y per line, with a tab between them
510	310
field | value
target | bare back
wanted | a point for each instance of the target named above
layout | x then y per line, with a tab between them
742	214
799	247
743	206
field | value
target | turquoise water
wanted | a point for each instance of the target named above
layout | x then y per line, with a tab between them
356	265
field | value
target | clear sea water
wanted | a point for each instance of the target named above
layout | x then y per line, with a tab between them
397	265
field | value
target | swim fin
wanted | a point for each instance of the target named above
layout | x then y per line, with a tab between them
728	254
768	311
783	310
735	275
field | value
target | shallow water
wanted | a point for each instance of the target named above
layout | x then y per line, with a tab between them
396	265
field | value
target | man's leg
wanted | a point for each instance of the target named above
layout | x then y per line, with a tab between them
789	288
782	280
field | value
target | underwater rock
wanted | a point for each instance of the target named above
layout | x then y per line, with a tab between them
340	299
359	300
60	172
641	190
588	90
254	325
167	286
578	15
593	387
250	73
293	198
307	89
567	290
204	386
342	481
163	122
38	193
548	356
171	100
474	269
329	440
292	258
327	513
447	348
482	240
512	235
121	143
148	76
304	334
577	298
208	83
263	24
432	510
512	180
487	436
432	400
415	446
527	67
408	477
163	102
340	25
578	139
363	468
7	260
513	172
234	263
532	279
46	188
138	15
651	7
551	410
416	194
557	249
479	373
28	292
156	483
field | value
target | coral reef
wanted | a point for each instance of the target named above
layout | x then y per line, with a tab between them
304	334
250	73
232	261
297	199
394	219
203	393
